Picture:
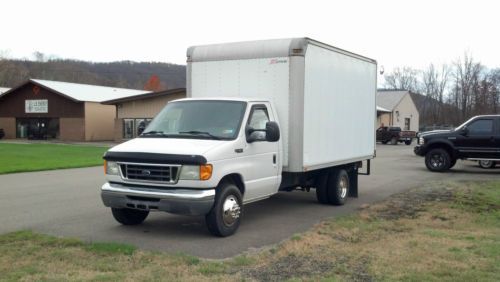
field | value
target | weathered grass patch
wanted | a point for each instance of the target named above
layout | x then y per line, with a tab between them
442	232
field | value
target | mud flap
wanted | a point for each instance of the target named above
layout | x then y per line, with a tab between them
353	181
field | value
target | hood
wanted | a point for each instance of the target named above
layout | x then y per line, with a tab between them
168	146
425	133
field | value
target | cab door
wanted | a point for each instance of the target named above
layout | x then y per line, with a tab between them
479	141
263	169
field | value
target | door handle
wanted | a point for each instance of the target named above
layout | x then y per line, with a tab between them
240	150
274	158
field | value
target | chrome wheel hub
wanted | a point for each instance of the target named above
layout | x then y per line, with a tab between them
437	161
230	210
343	186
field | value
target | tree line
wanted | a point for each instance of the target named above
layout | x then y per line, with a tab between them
451	93
124	74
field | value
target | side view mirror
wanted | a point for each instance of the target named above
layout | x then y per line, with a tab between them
270	134
272	131
464	131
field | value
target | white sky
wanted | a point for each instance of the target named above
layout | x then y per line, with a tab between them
395	33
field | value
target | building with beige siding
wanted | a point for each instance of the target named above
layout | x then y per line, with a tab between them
397	108
43	109
134	113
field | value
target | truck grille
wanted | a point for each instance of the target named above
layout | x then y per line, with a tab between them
149	172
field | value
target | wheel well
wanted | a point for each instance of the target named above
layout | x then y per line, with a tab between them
444	146
236	179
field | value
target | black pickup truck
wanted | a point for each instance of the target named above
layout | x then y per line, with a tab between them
477	139
394	135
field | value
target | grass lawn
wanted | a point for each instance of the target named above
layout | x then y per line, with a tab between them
34	157
441	232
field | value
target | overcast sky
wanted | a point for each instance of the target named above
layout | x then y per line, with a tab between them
395	33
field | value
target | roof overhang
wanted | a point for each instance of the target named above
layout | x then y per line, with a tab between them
145	96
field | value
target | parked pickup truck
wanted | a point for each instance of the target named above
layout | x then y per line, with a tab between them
477	139
393	135
260	117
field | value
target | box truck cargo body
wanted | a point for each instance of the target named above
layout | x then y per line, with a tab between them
324	96
260	117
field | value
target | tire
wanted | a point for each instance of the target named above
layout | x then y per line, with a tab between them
338	186
487	164
224	218
438	160
129	216
408	142
394	141
321	184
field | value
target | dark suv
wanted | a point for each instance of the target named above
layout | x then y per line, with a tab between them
477	139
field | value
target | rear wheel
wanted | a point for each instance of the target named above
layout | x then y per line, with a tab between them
338	186
129	216
438	160
224	218
487	164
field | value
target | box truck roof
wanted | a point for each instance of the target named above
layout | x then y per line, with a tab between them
271	48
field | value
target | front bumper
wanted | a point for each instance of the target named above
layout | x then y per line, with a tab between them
178	201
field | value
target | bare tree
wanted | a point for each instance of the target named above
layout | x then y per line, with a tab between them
404	78
467	76
434	83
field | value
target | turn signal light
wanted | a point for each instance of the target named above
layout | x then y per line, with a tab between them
105	166
205	172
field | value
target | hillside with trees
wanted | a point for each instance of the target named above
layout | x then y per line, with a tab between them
450	94
127	74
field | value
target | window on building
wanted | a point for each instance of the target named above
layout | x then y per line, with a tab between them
128	128
407	123
134	127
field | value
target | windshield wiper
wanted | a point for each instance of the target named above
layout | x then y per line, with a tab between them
154	132
195	132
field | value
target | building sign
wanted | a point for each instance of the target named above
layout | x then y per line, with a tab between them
37	106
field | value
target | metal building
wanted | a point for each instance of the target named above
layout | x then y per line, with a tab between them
43	109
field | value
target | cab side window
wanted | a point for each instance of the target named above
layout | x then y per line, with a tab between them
259	118
481	127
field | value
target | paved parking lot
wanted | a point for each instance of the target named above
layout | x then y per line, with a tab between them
67	203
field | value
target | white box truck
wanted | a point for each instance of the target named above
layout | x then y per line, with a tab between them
260	117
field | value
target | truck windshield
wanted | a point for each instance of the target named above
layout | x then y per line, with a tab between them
464	124
201	119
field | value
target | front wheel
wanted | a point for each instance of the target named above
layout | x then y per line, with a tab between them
224	218
487	164
129	216
438	160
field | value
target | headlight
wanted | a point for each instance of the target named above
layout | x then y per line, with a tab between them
421	141
111	168
196	172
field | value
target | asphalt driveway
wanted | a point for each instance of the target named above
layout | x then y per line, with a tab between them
67	203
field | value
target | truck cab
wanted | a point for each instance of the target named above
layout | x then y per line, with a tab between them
477	139
195	153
